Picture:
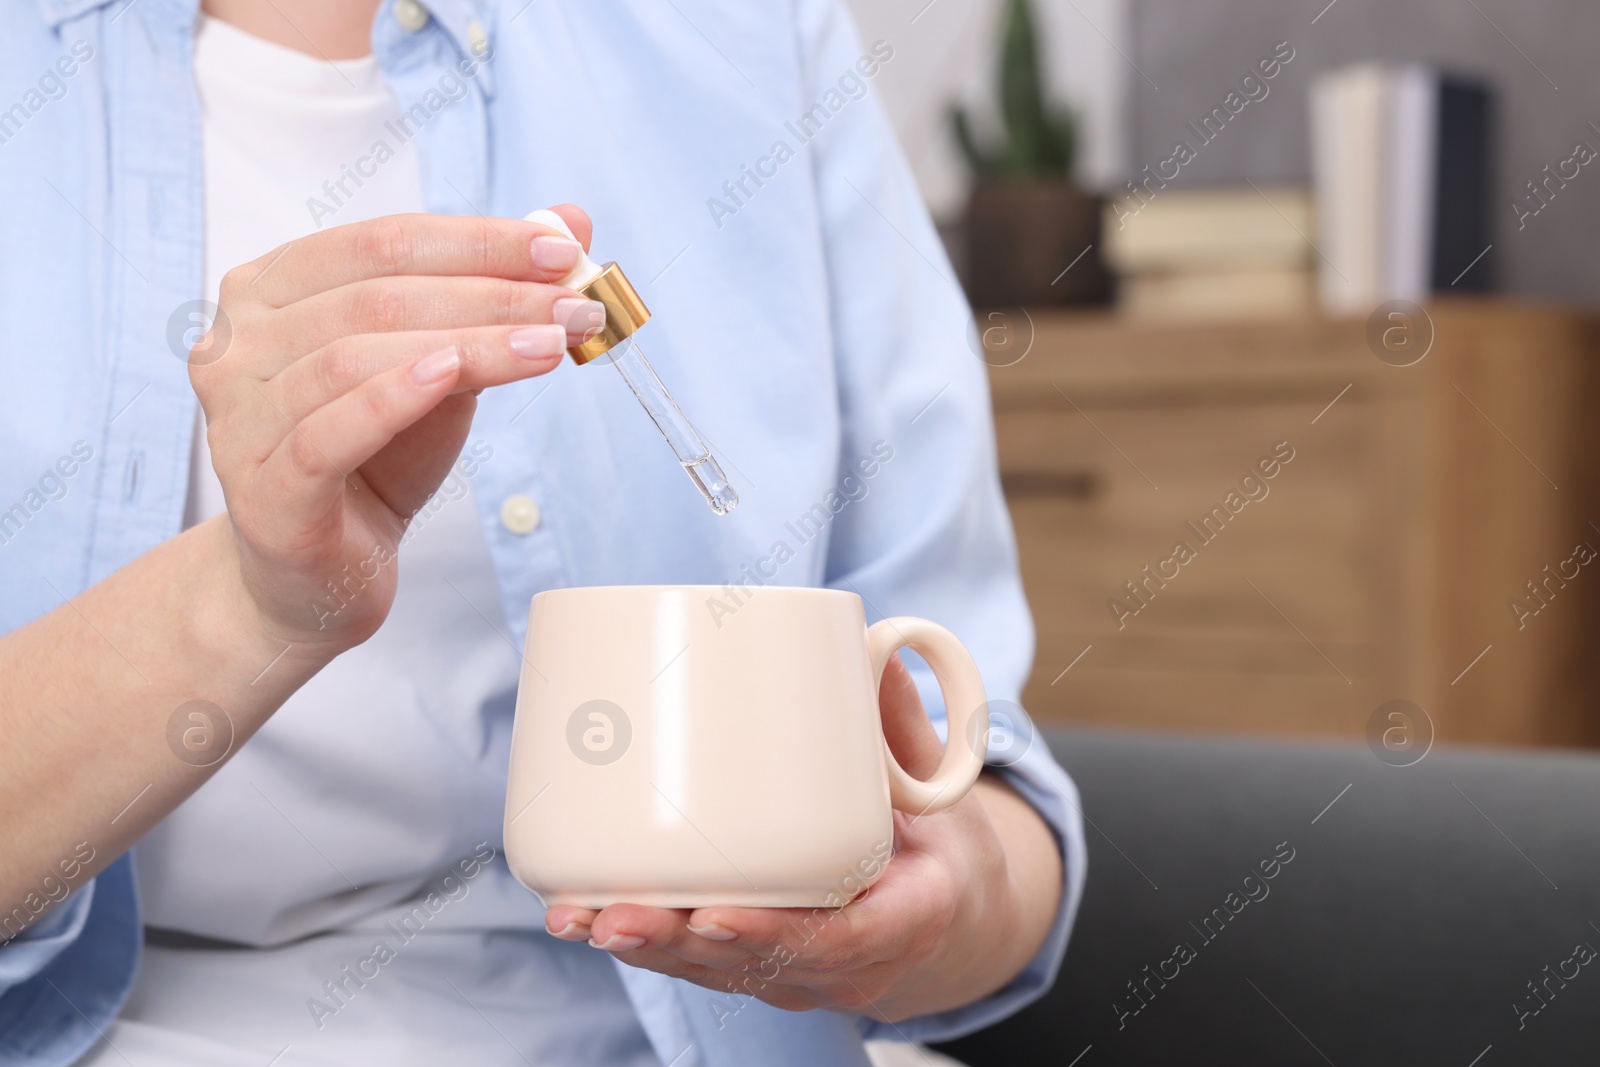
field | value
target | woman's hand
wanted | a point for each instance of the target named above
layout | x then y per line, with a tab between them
339	385
964	905
338	388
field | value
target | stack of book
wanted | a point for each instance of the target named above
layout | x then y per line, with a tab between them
1400	159
1216	253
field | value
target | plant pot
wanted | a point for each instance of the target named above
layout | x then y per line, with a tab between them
1021	235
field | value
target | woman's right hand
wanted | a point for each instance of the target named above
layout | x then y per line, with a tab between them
339	384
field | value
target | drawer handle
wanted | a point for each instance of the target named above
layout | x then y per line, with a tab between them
1071	484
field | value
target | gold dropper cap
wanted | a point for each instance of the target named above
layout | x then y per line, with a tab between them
625	312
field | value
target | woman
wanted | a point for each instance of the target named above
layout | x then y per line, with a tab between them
270	634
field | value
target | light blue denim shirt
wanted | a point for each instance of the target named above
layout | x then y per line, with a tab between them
738	164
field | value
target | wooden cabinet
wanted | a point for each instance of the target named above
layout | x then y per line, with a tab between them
1407	510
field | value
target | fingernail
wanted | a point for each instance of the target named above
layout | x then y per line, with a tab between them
441	364
618	943
714	932
539	342
581	318
556	253
573	931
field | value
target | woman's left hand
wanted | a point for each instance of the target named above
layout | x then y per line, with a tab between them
965	903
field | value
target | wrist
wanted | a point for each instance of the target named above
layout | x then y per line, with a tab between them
1031	878
229	624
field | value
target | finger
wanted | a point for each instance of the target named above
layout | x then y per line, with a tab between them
395	305
490	355
577	221
307	469
626	927
415	244
735	983
569	923
659	940
805	942
912	899
906	726
409	470
637	935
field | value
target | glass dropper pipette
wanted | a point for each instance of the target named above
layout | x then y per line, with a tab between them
625	313
687	444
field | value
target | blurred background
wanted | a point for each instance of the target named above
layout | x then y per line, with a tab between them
1290	317
1289	312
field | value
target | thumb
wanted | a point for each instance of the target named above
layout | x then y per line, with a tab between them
906	725
410	469
577	221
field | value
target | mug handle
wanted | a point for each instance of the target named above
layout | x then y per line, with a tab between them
964	700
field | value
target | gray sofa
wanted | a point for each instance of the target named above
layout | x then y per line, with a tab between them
1254	902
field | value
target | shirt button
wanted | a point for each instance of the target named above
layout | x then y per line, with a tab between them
478	37
519	514
411	15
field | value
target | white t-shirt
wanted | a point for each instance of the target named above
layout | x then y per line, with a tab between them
324	835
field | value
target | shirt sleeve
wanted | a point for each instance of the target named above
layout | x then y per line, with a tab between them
63	979
926	532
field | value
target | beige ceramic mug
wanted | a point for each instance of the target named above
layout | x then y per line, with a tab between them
679	748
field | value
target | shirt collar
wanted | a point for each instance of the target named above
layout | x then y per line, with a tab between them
463	21
172	13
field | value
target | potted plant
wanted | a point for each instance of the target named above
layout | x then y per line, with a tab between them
1026	219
